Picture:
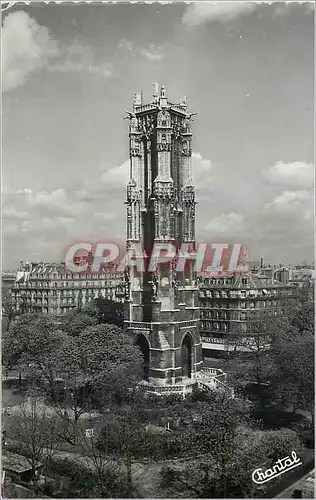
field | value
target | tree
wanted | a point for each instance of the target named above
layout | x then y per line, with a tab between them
255	343
111	359
100	363
39	344
253	371
293	375
77	322
302	313
108	311
15	340
125	438
32	426
8	308
226	472
106	471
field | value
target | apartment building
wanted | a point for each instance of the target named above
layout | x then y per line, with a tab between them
229	304
51	288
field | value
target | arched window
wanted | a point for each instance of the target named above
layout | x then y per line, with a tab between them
143	344
186	356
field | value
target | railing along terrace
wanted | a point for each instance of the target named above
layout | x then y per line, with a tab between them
136	324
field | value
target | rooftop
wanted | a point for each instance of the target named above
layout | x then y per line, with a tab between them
15	463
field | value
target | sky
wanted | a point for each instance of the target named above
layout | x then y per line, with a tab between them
69	73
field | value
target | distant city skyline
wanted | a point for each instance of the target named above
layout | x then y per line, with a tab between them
246	68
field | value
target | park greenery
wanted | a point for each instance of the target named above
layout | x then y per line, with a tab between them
204	446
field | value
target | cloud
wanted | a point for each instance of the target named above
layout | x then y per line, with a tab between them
295	174
25	203
78	57
38	224
126	44
57	221
12	213
292	203
202	171
105	215
226	223
116	177
152	52
203	12
26	47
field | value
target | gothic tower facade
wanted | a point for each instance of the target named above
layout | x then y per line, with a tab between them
161	306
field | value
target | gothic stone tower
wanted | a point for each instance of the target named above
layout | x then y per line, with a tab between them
161	308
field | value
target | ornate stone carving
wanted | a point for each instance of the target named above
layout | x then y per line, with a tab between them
177	127
155	286
135	145
186	150
187	126
137	100
135	150
155	92
184	102
163	146
146	125
188	195
163	119
127	282
163	190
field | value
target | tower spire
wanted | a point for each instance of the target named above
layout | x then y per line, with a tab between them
155	92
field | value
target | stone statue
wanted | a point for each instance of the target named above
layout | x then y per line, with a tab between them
127	282
184	102
137	100
155	92
155	286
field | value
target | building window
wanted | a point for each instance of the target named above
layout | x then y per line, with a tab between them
243	305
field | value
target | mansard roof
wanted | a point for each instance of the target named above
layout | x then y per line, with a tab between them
237	281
